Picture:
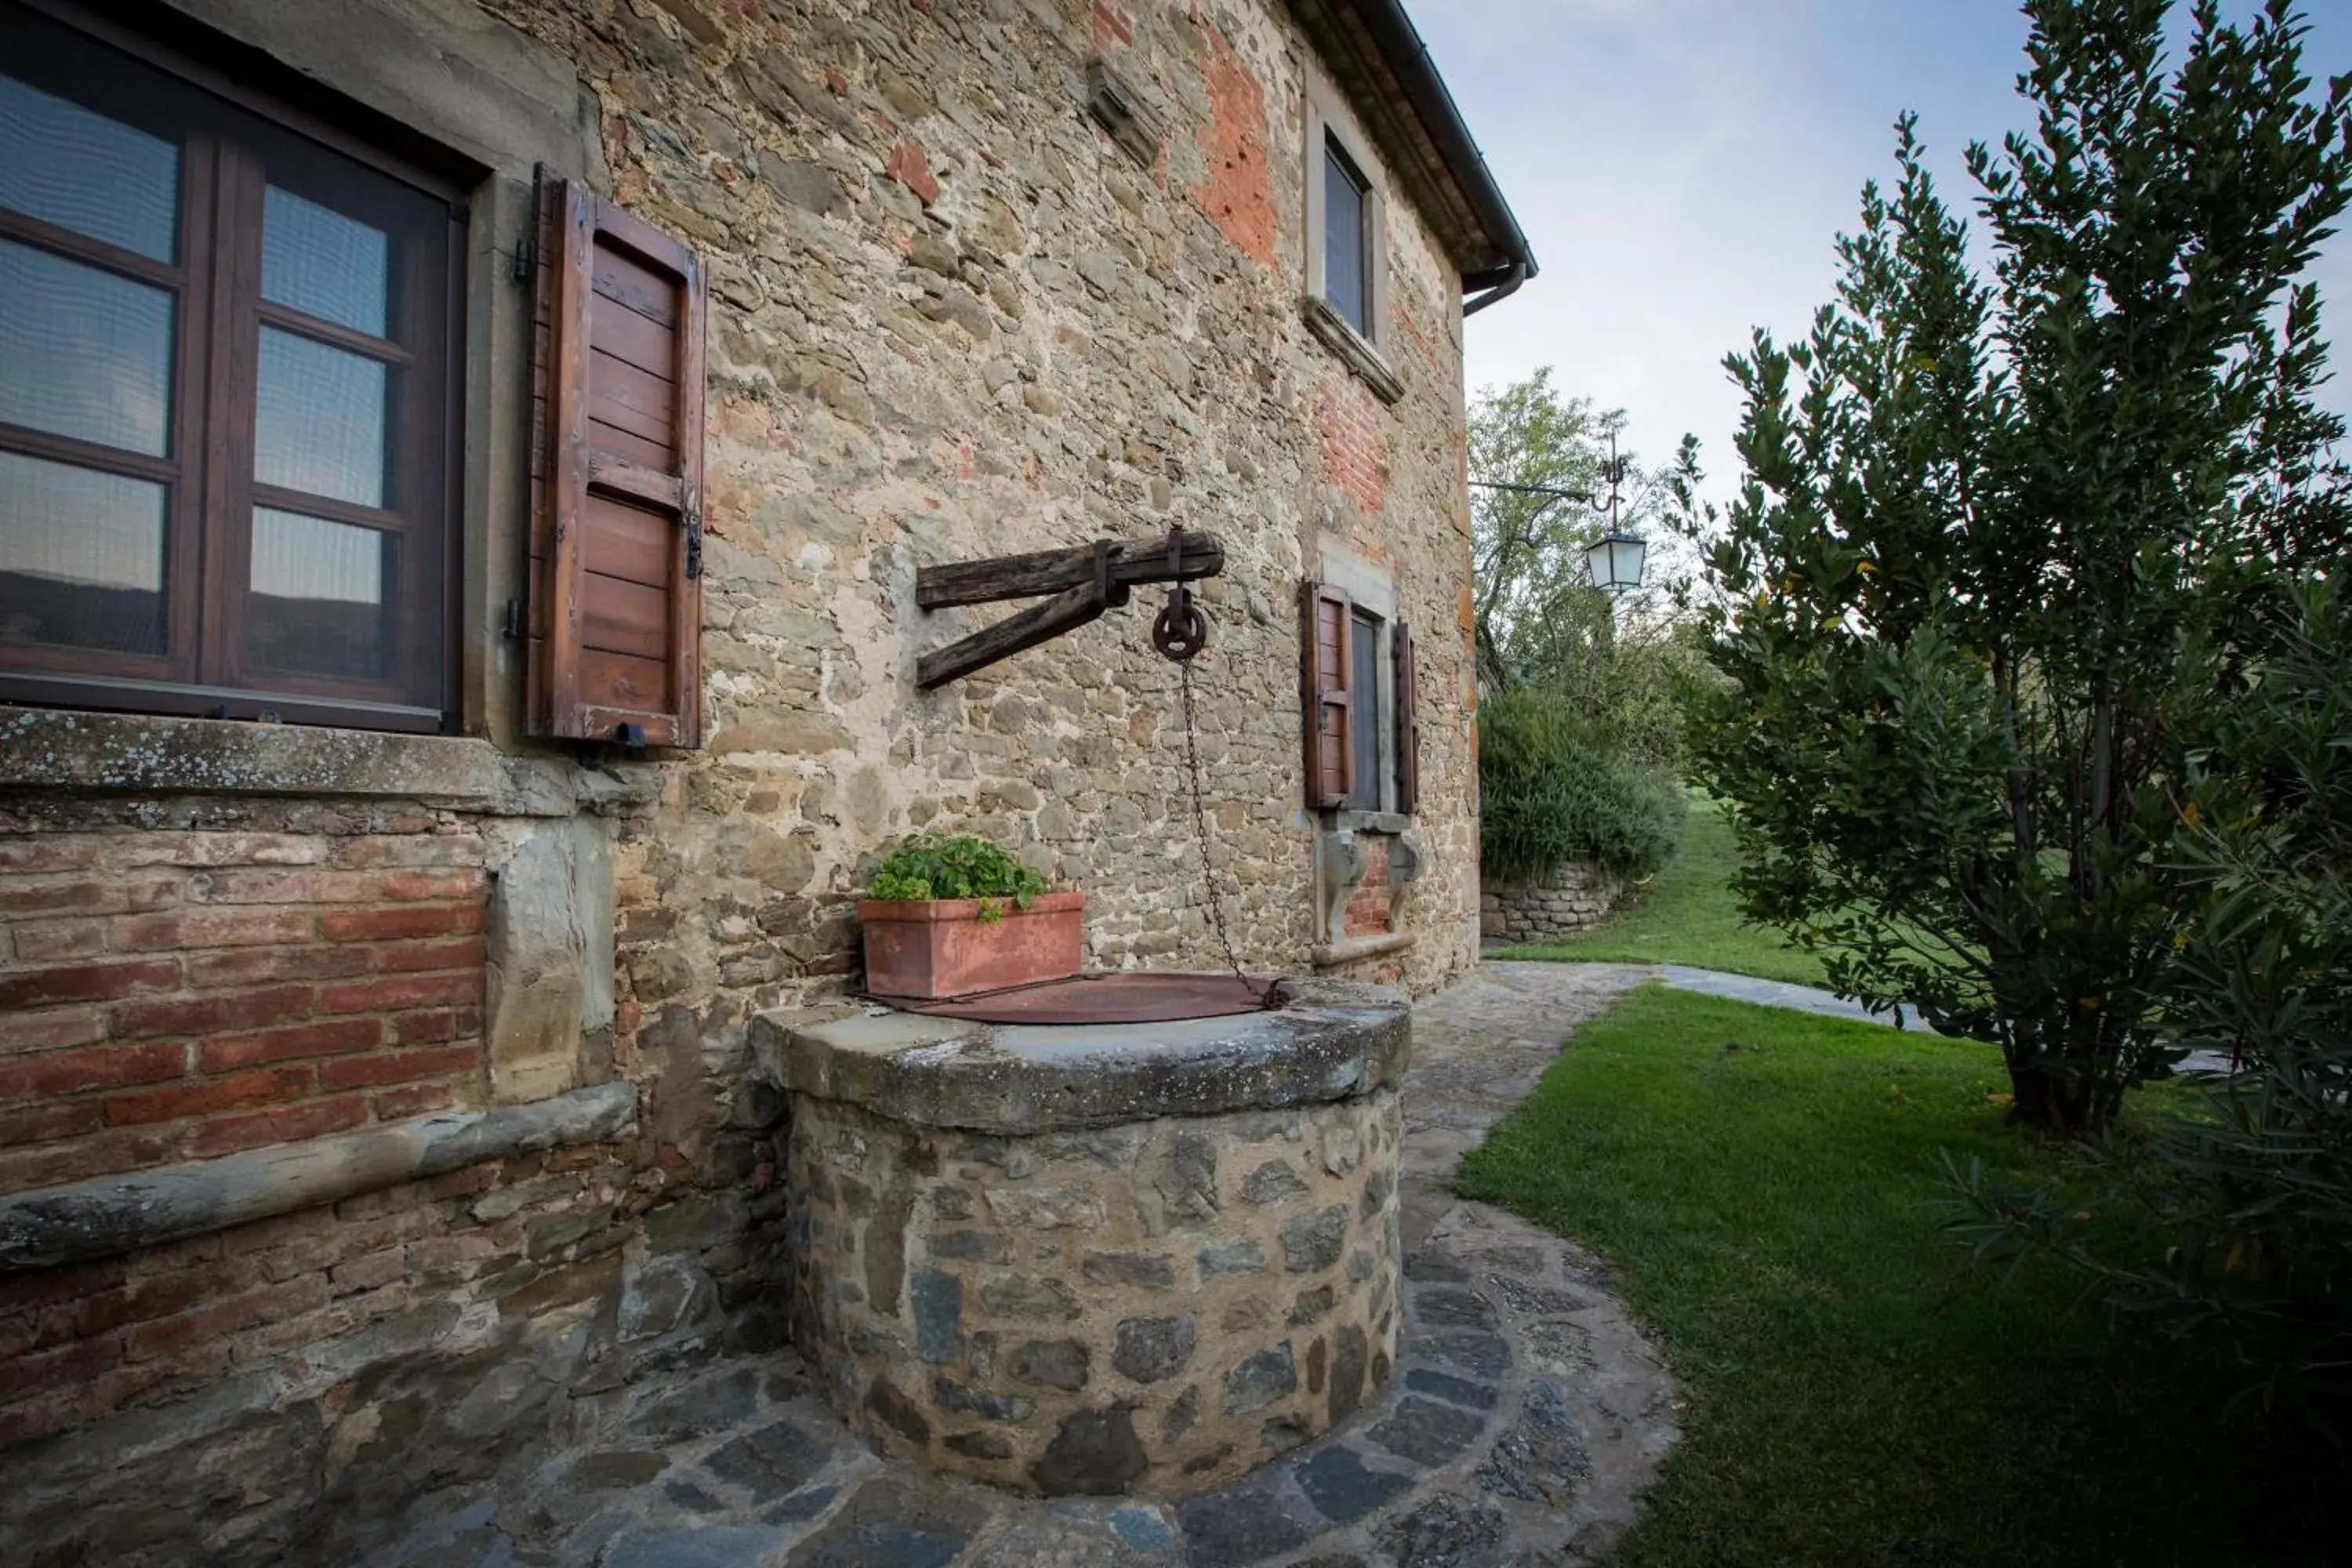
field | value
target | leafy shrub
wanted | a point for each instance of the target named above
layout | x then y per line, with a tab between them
2234	1214
944	865
1548	792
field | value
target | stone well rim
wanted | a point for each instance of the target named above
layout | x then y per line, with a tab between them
1331	1040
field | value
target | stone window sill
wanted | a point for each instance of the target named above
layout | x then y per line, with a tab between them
1369	365
1356	949
1389	822
43	748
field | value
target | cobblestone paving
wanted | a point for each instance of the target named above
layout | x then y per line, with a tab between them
1525	1413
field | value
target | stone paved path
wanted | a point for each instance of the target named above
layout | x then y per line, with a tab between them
1778	994
1525	1413
1742	988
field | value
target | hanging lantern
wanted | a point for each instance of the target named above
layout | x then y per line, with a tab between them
1612	562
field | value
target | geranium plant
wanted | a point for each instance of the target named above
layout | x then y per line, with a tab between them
955	866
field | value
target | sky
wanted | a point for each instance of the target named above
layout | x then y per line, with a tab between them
1681	168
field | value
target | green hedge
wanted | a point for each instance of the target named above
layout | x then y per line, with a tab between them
1548	795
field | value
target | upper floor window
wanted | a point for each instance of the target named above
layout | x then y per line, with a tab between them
227	389
1345	300
1347	238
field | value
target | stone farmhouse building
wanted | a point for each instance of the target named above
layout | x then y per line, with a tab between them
464	466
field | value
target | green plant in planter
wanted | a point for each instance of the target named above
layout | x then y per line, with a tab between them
955	866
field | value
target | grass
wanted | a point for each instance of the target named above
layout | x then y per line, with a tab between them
1688	916
1857	1394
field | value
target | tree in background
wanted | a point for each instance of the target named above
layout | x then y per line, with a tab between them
1995	540
1539	624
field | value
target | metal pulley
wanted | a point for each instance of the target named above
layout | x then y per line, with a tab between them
1180	630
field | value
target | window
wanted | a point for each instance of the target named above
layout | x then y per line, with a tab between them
1359	708
225	395
1345	299
1347	239
1364	709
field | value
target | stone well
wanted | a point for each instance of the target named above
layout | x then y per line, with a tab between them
1124	1258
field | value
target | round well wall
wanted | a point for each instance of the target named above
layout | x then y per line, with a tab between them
1198	1275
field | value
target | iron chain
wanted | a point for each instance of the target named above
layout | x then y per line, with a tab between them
1200	832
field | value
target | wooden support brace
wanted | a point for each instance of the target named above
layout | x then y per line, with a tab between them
1085	581
1052	571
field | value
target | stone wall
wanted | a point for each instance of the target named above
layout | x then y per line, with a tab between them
951	318
1570	899
1156	1307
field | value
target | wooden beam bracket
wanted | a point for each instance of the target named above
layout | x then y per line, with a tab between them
1083	582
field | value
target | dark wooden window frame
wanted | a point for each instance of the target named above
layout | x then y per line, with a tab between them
1360	754
1369	770
223	127
1340	163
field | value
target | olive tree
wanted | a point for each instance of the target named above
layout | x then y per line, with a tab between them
1994	532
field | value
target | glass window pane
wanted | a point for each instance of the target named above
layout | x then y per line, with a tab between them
318	261
319	420
84	352
67	165
322	600
81	557
1343	243
1364	709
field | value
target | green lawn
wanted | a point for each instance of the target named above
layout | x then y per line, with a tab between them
1688	916
1856	1392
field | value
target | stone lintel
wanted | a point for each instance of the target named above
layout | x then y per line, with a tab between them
111	1214
1334	1040
51	749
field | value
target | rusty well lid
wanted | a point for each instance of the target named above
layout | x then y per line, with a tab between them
1132	996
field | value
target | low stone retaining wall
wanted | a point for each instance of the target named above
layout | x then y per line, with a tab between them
1570	899
1135	1257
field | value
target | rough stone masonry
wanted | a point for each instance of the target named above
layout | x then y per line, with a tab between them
1150	1259
952	315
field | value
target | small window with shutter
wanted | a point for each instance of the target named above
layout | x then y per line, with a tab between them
617	478
1362	740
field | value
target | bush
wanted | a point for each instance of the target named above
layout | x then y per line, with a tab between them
938	865
1548	792
2236	1212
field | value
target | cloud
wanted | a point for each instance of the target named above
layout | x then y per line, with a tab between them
1681	168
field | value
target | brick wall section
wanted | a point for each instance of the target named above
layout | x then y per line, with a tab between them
355	1332
174	996
83	1340
1367	907
1347	417
1238	192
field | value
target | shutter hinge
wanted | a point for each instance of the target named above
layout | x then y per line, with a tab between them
694	539
512	628
526	257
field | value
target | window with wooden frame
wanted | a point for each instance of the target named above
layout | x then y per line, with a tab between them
1358	709
1348	250
1346	301
228	347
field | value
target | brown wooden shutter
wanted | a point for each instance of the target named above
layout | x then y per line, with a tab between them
615	595
1325	623
1408	721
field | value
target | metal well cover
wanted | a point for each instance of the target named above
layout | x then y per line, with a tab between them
1129	997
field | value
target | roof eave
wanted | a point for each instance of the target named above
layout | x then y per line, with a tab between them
1376	57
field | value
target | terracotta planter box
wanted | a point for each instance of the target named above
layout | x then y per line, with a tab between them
925	949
